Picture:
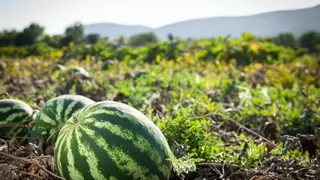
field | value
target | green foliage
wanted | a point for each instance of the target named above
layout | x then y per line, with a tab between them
121	40
29	35
74	33
52	41
310	40
277	105
184	165
143	39
7	38
297	155
92	38
182	86
286	39
192	133
253	154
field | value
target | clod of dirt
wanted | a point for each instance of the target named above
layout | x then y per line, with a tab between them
308	143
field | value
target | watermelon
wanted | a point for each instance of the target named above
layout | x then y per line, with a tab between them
107	64
56	112
58	67
13	111
111	140
79	72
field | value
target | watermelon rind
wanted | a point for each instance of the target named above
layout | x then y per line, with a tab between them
14	112
56	112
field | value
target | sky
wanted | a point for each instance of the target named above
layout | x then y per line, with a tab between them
56	15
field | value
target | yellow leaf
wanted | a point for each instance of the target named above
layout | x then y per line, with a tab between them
274	109
179	59
158	58
190	60
88	57
170	62
254	47
242	137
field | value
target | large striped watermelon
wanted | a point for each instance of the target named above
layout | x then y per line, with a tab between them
14	112
56	112
111	140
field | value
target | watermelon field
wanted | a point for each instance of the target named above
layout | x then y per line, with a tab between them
218	108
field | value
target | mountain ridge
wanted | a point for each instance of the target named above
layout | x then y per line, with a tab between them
250	15
295	21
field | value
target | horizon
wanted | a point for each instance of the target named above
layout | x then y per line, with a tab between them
231	16
55	25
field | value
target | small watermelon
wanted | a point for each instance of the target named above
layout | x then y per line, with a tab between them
56	112
107	64
58	67
111	140
14	112
79	72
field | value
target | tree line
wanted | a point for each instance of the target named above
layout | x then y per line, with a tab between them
34	33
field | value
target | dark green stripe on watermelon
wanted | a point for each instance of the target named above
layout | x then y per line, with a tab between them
13	111
83	165
65	161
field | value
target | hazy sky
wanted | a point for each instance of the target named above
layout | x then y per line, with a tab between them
55	15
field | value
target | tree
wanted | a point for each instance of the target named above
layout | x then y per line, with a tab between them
246	36
53	41
118	42
92	38
170	37
266	39
173	50
310	40
7	38
143	39
73	33
29	35
121	40
286	39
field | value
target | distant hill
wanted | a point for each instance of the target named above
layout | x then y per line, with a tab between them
113	30
264	24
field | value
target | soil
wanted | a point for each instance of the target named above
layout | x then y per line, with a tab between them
27	162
